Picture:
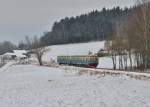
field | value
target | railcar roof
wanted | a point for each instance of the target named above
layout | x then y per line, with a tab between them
79	56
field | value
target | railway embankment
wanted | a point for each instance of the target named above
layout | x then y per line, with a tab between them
104	72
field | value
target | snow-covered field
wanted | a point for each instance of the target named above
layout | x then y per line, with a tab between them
106	62
34	86
80	49
73	49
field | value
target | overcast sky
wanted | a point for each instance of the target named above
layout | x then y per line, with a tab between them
19	18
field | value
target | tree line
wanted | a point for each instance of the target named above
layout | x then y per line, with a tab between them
94	26
131	39
7	46
32	45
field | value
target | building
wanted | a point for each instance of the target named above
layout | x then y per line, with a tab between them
15	54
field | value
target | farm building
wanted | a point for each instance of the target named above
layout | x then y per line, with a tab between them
15	54
20	54
9	55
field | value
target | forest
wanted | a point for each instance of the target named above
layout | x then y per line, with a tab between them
131	39
93	26
7	46
126	32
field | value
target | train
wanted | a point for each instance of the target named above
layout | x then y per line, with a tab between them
89	61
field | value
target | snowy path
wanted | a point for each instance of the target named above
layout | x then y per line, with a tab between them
33	86
7	65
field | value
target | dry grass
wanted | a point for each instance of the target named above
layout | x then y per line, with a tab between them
104	73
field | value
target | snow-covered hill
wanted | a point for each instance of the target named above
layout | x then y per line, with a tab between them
73	49
80	49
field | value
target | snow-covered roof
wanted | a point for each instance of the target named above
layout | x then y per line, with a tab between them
17	53
9	53
20	53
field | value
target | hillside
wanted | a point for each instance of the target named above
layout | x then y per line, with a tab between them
81	49
73	49
93	26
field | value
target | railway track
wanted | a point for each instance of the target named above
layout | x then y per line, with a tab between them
134	74
105	71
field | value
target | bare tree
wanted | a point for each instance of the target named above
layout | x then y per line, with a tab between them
38	49
139	32
118	47
28	42
111	48
132	37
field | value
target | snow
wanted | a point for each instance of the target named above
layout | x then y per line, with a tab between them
9	53
7	65
17	53
34	86
73	49
81	49
106	62
20	53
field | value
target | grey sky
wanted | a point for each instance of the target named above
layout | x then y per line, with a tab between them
19	18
